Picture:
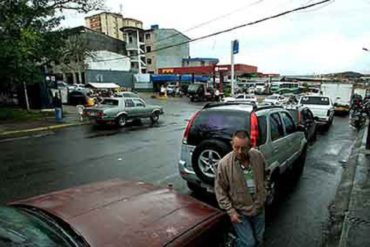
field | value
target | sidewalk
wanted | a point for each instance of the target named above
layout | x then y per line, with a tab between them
16	129
356	226
350	210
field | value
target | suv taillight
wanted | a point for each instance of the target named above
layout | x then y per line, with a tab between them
188	127
328	114
254	129
299	117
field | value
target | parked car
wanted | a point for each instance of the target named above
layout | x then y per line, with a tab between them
171	90
208	134
126	95
113	213
321	106
200	92
304	117
242	98
275	99
77	98
63	85
120	110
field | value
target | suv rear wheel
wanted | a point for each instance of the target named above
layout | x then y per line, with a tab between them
206	157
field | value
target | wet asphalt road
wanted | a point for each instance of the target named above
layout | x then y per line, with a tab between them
75	156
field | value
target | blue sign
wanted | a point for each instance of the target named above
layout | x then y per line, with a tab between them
235	46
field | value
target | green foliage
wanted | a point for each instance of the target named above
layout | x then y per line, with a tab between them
12	114
30	38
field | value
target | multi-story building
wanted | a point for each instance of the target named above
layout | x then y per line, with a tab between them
158	52
91	56
199	61
135	47
111	23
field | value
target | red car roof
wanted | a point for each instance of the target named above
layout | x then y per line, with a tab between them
122	213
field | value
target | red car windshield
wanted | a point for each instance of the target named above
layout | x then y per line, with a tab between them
20	227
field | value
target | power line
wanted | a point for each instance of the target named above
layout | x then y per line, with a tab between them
229	29
211	21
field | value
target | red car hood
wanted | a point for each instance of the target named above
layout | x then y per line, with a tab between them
122	213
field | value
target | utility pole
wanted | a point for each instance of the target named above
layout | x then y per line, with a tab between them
26	96
234	50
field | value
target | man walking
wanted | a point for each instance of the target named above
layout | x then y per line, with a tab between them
240	189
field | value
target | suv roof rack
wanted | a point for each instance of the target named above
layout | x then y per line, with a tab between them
211	105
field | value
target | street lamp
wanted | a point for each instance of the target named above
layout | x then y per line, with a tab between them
368	127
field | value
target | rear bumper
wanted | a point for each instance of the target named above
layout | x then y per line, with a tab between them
186	170
323	120
341	108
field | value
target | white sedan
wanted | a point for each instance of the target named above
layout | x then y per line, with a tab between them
248	98
275	99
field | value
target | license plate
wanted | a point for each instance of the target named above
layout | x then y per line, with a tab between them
92	113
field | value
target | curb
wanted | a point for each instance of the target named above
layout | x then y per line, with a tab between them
346	222
31	131
338	210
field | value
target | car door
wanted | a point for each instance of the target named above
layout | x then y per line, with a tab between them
277	141
139	109
130	108
292	145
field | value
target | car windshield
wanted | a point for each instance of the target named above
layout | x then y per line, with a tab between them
315	101
21	228
109	102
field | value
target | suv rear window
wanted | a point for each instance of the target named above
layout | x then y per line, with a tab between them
218	123
315	101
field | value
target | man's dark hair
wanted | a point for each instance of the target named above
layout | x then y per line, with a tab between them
242	134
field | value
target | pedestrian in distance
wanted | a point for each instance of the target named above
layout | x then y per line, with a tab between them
217	95
240	189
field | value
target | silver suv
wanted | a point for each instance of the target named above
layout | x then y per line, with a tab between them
208	134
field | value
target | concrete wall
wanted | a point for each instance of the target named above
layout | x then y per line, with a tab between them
122	78
105	60
98	41
171	57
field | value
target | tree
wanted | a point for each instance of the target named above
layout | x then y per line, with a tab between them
74	54
30	37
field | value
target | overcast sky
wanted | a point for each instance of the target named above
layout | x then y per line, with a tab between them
324	39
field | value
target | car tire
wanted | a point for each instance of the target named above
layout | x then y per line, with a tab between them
205	159
154	117
121	120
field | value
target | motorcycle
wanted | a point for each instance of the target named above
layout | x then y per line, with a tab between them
358	118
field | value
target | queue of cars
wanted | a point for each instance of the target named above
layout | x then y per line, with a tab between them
99	214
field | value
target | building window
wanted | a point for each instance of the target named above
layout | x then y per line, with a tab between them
149	61
147	36
130	39
148	49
